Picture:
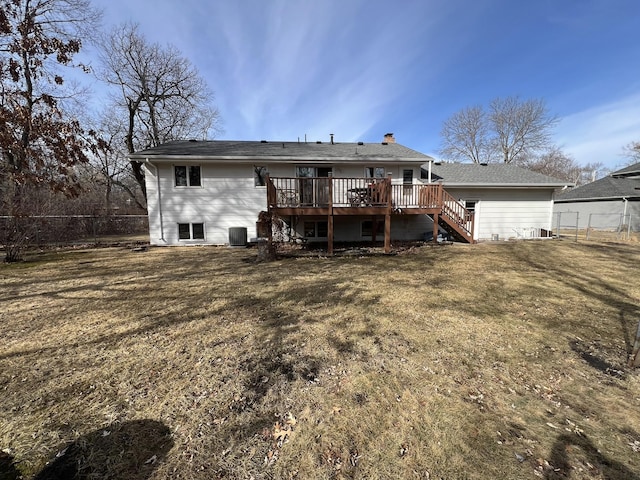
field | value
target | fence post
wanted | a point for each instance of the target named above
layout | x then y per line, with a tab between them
634	359
577	224
589	226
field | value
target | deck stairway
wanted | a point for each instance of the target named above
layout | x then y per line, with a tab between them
455	219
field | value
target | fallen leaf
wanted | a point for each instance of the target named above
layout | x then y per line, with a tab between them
280	434
290	419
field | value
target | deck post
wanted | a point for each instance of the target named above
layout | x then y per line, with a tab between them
330	218
387	216
387	233
435	228
271	197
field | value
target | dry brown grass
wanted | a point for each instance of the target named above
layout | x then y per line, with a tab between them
489	361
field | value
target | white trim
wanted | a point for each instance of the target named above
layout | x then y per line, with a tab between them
191	237
187	165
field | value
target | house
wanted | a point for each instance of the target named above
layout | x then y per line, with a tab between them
213	192
610	202
507	201
198	192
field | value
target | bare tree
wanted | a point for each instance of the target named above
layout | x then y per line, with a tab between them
40	145
511	129
632	152
556	163
465	136
109	163
161	94
520	127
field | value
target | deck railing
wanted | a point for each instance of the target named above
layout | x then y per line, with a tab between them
457	212
287	192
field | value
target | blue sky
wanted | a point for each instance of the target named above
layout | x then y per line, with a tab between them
283	69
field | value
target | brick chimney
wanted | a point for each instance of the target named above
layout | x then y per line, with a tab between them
388	138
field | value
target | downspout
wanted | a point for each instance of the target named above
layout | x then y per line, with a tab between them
147	162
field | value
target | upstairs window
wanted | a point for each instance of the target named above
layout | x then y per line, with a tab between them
187	175
374	172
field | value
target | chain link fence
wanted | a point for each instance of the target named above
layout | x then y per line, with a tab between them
61	230
595	226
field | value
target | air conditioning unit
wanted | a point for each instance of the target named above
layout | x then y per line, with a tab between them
237	236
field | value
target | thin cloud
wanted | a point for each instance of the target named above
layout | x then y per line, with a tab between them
598	134
311	67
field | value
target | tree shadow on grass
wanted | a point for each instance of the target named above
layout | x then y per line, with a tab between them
589	284
569	445
128	450
597	362
8	470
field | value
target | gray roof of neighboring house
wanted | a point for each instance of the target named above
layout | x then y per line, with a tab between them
605	188
631	170
281	151
490	175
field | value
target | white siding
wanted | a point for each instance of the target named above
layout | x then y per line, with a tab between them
227	198
508	212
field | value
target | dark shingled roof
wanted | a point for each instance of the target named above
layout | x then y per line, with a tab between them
248	150
630	171
491	175
622	183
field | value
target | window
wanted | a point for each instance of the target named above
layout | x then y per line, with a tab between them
367	228
407	181
191	231
259	176
316	229
470	205
187	176
374	172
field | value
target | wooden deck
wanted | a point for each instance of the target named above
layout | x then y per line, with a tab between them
333	196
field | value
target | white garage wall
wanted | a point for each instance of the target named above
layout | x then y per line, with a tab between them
509	212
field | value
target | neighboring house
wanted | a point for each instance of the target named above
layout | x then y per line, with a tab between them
205	192
610	202
507	201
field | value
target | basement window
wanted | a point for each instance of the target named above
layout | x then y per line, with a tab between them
366	228
316	229
187	175
191	231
